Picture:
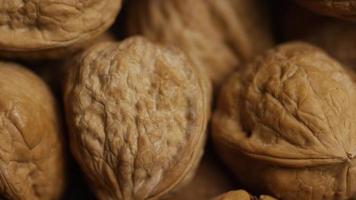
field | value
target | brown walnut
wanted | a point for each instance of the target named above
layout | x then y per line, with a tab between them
241	195
137	114
31	157
216	34
344	9
285	125
52	28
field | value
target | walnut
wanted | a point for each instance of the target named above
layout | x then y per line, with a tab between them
216	35
52	28
137	114
241	195
344	9
285	125
31	154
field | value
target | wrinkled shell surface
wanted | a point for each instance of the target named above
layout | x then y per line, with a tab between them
31	157
39	26
241	195
138	115
345	9
216	35
297	139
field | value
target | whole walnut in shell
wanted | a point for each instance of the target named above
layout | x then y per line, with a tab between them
216	35
31	154
344	9
241	195
52	28
137	114
285	125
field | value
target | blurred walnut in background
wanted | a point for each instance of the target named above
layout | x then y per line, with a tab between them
216	35
285	125
31	154
46	29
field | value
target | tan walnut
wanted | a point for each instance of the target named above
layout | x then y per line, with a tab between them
217	35
285	125
31	153
52	28
241	195
344	9
137	114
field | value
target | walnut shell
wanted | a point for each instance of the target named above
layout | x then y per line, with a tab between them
241	195
137	114
344	9
216	35
31	155
52	28
285	125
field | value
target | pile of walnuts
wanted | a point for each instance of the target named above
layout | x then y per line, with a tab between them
177	99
